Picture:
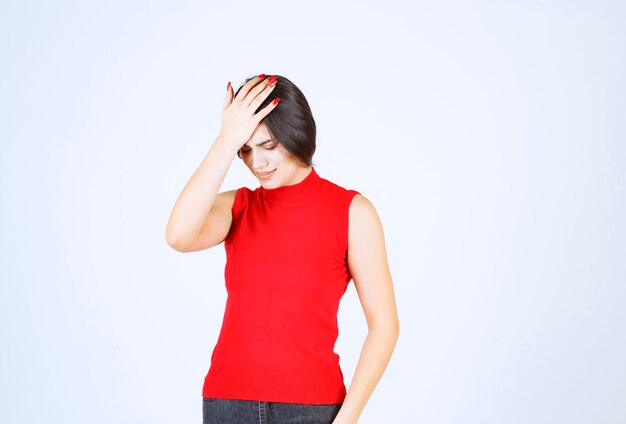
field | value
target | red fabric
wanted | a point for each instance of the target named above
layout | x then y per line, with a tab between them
286	271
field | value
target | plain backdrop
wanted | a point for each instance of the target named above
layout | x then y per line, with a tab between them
489	135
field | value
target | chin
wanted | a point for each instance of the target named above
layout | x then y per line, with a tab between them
269	184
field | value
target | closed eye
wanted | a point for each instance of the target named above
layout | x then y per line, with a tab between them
266	148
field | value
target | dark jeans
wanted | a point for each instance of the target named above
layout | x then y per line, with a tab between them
235	411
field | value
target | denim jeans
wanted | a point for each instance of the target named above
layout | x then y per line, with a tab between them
235	411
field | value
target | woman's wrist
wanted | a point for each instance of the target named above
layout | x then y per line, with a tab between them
226	144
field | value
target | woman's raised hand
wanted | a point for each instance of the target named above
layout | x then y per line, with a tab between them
239	119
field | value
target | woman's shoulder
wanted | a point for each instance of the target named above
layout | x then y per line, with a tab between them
331	185
360	204
239	198
362	213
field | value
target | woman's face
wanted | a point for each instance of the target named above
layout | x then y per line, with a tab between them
270	156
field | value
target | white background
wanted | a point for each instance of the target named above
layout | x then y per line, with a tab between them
489	135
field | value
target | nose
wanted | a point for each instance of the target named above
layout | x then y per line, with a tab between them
259	163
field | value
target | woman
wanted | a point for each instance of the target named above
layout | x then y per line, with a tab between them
287	245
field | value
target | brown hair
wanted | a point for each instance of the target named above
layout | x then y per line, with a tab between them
291	122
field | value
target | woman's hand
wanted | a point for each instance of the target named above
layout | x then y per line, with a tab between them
238	118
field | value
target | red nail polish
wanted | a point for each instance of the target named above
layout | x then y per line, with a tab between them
276	100
262	76
272	79
228	86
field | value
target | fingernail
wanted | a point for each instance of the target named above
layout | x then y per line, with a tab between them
276	100
262	76
228	86
272	79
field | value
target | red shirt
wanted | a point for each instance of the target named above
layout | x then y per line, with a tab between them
286	271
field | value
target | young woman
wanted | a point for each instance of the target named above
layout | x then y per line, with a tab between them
290	256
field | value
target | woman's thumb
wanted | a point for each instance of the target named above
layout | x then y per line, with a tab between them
229	96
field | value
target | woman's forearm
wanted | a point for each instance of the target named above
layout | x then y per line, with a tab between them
198	195
375	354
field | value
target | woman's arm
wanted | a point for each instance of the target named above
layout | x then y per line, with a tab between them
367	260
193	224
195	202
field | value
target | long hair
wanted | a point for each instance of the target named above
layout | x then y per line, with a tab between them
291	122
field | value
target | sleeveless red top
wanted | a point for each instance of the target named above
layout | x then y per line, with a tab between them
286	271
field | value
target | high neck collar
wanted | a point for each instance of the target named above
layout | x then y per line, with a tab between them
295	193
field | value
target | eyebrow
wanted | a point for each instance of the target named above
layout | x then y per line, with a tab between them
261	143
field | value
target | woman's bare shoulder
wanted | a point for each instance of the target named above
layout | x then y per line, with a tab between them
361	204
362	213
227	196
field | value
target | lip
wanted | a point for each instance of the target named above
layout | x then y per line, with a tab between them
265	175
